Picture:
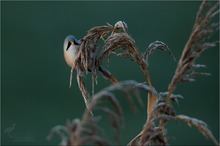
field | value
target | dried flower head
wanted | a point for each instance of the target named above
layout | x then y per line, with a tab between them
199	41
160	109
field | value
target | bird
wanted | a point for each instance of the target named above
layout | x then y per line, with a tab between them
70	48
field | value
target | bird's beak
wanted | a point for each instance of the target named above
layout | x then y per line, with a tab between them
72	43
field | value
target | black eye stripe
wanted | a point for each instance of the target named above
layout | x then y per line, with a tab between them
68	45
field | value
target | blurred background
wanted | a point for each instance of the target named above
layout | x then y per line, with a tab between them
35	93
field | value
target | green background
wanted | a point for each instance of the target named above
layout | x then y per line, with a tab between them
35	91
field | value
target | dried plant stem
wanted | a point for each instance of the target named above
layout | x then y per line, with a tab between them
107	74
150	105
202	30
151	97
159	109
198	42
200	125
122	41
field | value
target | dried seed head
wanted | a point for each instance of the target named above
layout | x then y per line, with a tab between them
200	125
199	41
120	26
157	45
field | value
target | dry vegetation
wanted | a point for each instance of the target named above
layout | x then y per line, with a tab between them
117	41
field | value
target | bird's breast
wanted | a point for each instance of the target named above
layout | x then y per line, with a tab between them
70	55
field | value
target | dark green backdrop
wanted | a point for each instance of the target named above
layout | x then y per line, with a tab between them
35	91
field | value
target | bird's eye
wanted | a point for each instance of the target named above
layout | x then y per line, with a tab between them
68	45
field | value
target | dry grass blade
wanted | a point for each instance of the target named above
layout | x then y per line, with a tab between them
107	75
162	108
193	74
138	97
115	123
106	95
116	114
200	125
152	135
70	134
83	89
88	49
165	118
134	141
130	100
173	97
157	137
147	132
125	87
91	127
75	130
89	45
74	133
157	45
199	41
130	85
122	41
101	96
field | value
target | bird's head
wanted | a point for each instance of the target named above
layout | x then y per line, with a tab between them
70	48
70	41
